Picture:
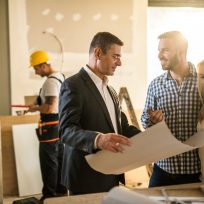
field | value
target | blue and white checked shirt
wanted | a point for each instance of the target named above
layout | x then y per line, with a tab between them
180	106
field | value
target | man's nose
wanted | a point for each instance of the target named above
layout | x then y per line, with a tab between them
119	63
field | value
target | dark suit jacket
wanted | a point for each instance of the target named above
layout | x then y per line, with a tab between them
82	115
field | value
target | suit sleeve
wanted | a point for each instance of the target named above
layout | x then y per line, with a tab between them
127	129
70	111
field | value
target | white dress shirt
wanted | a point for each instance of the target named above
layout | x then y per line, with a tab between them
102	88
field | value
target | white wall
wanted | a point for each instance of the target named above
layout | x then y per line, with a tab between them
132	74
19	54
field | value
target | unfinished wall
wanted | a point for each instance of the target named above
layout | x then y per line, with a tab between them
75	23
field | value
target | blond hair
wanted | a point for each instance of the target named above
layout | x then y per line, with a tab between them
200	88
179	40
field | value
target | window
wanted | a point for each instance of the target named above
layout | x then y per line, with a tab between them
189	21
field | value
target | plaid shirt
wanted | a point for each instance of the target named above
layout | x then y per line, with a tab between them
180	106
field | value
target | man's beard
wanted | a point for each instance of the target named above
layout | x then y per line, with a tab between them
172	63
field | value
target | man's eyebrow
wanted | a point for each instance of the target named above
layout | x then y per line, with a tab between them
118	55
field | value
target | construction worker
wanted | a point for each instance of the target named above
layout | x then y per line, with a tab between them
47	131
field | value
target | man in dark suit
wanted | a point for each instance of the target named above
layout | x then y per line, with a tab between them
91	119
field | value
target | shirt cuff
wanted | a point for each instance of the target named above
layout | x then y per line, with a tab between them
95	141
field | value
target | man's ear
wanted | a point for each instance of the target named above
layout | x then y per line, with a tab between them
97	52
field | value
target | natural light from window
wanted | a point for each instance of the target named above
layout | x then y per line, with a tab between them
189	21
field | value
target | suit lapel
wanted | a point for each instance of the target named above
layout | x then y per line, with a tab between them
92	87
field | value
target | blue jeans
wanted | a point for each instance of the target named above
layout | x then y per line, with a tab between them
162	178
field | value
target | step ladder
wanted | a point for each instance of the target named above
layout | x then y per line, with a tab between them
123	94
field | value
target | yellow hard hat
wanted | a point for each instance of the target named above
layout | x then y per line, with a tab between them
38	57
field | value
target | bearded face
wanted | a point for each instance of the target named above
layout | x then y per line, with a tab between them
168	54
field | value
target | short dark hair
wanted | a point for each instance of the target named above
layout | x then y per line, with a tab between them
104	40
178	38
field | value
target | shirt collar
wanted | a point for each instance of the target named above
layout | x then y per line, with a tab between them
96	79
192	72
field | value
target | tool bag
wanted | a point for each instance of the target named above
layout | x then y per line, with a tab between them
47	130
31	200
